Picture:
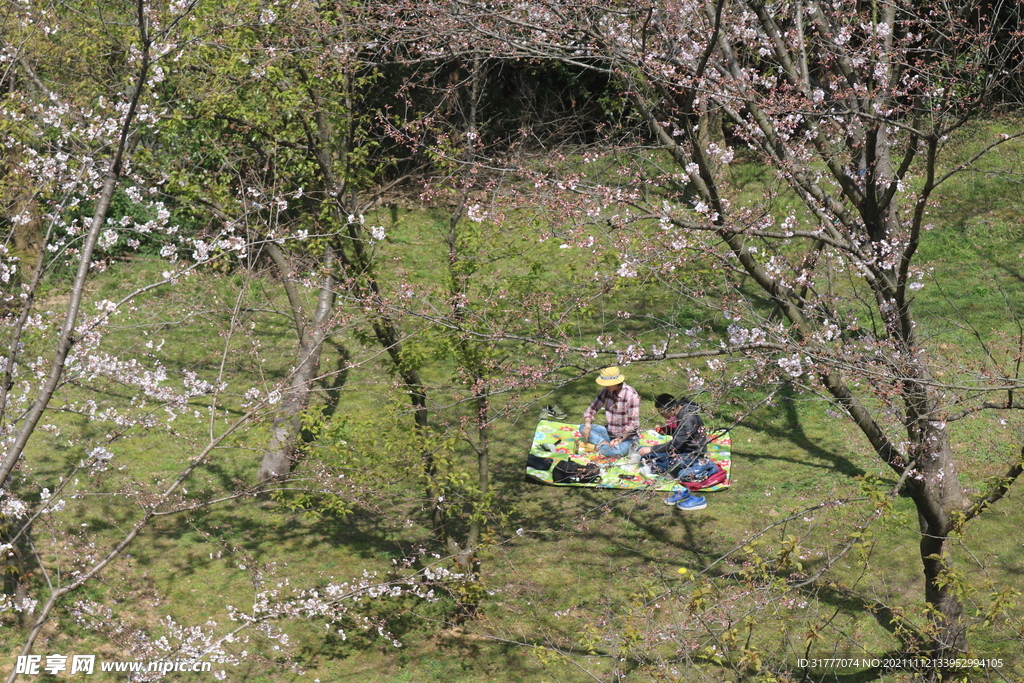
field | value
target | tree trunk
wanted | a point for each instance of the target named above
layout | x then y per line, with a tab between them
937	493
950	638
286	429
287	426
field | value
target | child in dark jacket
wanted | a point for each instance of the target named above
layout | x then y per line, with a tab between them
689	437
689	442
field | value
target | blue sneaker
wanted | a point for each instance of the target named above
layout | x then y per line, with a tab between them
679	495
692	502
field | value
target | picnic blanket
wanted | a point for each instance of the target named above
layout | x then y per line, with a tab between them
616	473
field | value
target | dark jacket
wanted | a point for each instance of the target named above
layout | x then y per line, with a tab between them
689	437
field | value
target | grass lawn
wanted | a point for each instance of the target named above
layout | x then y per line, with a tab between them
805	556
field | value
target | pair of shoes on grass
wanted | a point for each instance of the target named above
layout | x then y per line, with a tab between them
552	412
685	500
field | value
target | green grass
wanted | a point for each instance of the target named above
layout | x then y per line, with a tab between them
592	573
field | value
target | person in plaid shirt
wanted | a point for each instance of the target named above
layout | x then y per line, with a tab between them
622	408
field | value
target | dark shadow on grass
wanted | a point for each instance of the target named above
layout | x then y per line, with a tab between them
851	603
188	541
230	480
794	433
1004	266
627	523
228	545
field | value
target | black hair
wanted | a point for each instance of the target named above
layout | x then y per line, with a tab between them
664	402
668	401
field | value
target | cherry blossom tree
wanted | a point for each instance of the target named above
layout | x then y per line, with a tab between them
292	97
68	151
76	143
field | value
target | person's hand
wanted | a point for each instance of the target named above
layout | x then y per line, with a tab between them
644	450
615	443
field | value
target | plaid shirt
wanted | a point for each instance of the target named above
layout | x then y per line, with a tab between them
621	410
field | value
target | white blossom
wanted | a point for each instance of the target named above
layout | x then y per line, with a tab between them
792	365
108	238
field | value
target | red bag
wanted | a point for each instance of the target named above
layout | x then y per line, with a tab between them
719	477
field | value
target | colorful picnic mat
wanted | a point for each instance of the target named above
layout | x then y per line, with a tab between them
616	473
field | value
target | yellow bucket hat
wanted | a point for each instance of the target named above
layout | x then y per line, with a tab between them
610	377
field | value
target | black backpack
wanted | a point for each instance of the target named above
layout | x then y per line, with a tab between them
571	472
